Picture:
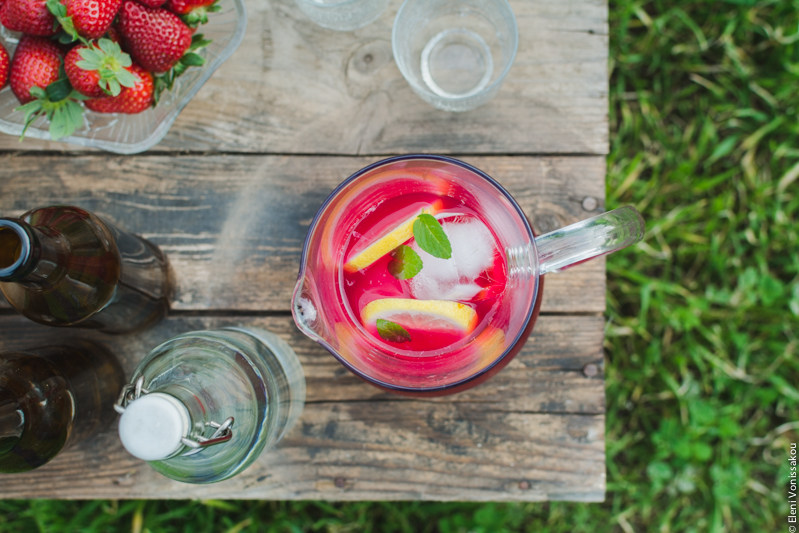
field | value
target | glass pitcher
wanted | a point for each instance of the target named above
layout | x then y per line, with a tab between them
451	191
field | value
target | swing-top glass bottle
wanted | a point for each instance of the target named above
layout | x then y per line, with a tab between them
64	266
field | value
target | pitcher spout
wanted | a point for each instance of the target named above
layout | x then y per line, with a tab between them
306	310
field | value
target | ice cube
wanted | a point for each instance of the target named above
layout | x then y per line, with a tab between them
436	279
473	246
473	250
462	292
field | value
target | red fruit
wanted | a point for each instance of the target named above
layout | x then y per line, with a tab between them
154	37
83	81
152	3
28	16
130	100
5	65
182	7
92	18
35	64
114	35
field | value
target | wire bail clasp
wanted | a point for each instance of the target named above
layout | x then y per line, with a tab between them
222	432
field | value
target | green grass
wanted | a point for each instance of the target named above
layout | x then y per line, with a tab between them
702	359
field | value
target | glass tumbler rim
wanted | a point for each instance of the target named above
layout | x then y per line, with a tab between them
426	90
438	389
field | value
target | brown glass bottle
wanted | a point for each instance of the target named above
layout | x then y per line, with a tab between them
51	398
63	266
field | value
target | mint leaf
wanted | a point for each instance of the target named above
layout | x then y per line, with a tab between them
431	237
392	331
406	263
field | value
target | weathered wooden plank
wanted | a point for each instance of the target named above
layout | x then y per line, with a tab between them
546	377
293	87
539	421
233	226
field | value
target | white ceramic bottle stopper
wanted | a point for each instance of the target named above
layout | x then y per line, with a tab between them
153	425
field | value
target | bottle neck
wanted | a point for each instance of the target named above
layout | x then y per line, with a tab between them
29	255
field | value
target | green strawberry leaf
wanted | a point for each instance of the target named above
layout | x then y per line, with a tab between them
192	60
38	93
32	110
199	15
406	263
56	8
198	41
59	11
91	59
431	237
58	90
165	82
392	331
63	37
177	70
111	86
65	115
65	119
107	58
127	78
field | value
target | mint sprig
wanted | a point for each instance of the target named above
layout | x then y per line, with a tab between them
430	236
391	331
406	263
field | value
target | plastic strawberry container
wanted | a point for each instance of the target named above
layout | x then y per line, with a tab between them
131	134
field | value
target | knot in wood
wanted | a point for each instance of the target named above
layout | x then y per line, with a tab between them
590	370
590	203
545	222
368	59
524	485
340	482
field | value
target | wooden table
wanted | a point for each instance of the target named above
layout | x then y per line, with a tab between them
229	195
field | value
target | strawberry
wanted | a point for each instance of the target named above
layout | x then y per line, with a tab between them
114	35
5	65
28	16
92	18
35	64
86	82
182	7
98	70
151	3
131	100
193	12
155	38
36	83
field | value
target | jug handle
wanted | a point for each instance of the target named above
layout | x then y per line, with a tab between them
600	235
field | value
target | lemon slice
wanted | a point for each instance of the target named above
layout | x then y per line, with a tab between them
427	315
387	242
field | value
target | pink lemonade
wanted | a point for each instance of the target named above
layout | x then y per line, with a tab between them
421	273
474	276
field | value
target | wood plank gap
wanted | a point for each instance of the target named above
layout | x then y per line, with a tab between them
468	403
190	153
227	313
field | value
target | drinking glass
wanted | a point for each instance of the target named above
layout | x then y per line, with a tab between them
455	54
321	311
343	15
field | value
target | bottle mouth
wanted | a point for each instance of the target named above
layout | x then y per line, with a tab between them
15	248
